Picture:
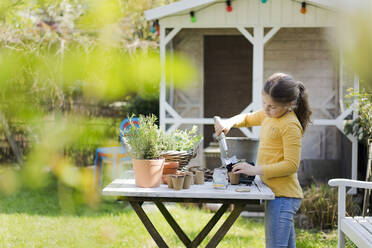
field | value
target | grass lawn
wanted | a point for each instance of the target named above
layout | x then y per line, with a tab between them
35	219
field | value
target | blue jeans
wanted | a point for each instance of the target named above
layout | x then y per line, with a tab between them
279	228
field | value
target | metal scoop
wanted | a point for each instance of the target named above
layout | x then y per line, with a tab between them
224	151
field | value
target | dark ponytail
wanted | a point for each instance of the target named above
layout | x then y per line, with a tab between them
302	108
283	89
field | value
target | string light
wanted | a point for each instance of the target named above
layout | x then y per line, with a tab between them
303	7
155	27
192	16
228	6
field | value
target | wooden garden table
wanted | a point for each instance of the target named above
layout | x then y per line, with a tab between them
204	193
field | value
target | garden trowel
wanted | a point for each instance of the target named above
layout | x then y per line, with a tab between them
224	151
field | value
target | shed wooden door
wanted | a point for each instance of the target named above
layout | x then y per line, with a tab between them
227	78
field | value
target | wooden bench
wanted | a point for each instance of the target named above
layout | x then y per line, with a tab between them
358	229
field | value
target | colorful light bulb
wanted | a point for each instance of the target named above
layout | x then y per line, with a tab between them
192	16
228	6
303	7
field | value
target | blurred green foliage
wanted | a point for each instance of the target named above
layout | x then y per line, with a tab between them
355	39
57	56
59	59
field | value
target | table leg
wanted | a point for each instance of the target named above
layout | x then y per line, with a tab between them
238	208
212	222
147	223
95	173
114	166
100	170
177	229
217	237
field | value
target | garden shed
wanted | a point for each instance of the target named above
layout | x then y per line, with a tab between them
235	45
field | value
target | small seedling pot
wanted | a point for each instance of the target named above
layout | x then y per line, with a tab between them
199	177
234	178
169	181
177	181
188	179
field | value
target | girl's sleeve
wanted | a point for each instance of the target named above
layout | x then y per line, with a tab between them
291	138
251	119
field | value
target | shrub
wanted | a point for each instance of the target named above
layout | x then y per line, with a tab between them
144	105
319	206
361	127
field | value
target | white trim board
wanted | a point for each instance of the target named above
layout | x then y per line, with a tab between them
184	5
174	8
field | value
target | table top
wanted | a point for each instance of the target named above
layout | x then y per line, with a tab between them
127	187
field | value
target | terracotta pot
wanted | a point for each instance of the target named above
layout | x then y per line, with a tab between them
148	172
234	178
169	168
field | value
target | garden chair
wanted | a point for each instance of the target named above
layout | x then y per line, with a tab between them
114	154
358	228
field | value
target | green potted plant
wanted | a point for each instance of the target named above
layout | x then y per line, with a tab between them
181	146
183	140
145	145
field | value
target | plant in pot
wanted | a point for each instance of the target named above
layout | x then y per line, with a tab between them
145	145
183	140
181	146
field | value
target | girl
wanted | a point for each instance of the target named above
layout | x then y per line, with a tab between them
283	120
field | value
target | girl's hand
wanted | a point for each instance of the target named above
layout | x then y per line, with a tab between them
247	169
221	126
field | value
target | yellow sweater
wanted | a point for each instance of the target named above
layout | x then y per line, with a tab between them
279	151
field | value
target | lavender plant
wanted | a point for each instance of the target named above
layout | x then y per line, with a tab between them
147	141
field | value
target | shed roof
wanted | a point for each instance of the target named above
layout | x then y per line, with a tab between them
187	5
